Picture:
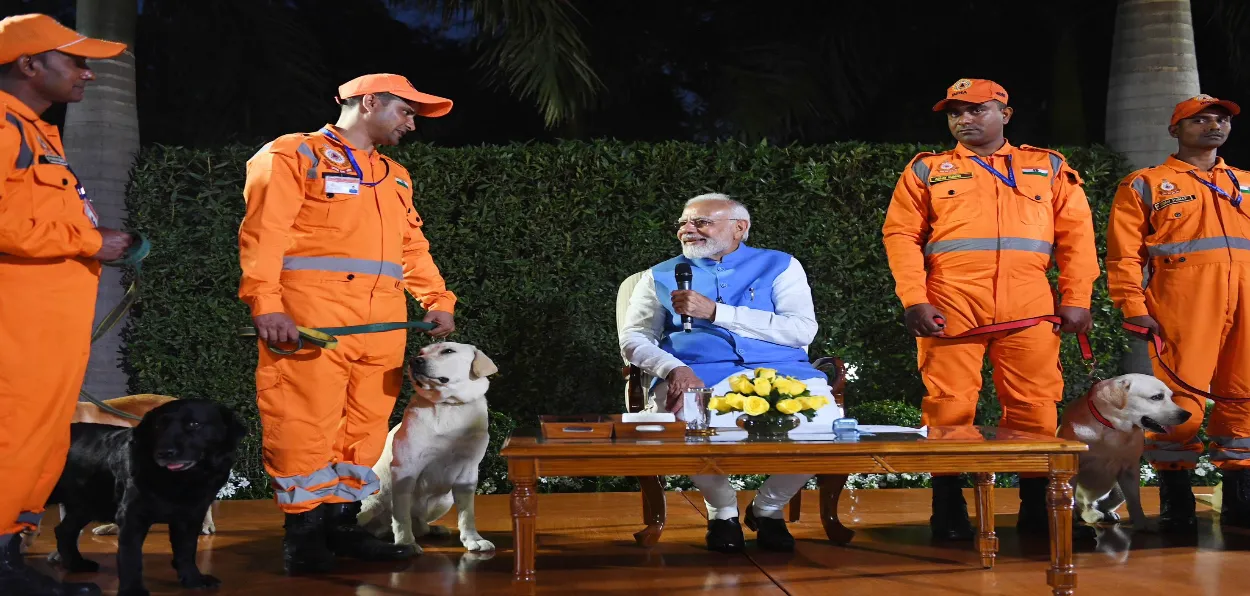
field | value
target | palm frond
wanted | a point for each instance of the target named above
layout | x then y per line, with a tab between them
533	48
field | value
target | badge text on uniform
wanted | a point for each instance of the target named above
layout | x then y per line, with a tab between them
939	179
1165	204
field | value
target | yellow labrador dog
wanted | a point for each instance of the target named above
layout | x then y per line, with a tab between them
1110	418
431	457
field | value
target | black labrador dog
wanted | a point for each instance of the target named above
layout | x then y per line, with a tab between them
167	469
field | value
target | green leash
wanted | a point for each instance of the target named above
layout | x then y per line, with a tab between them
132	258
326	338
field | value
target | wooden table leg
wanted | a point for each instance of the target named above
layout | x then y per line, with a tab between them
1059	499
523	475
987	540
831	486
654	510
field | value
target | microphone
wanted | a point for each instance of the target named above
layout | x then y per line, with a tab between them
684	278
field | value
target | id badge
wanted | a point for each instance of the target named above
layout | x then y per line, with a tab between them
87	208
342	185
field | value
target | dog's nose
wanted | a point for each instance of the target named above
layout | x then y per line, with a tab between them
418	362
1186	415
166	454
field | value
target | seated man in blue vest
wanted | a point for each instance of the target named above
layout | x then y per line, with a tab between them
751	308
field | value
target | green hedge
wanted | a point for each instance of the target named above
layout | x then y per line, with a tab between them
535	240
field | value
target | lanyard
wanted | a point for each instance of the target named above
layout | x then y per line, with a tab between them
352	159
1235	199
1009	179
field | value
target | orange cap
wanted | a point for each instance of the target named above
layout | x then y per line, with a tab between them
972	91
1197	103
431	106
38	33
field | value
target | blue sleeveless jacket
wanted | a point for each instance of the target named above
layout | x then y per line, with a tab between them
743	277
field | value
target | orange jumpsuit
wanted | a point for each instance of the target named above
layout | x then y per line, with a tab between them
961	239
1180	252
48	285
329	258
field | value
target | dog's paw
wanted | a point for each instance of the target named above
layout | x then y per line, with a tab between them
208	529
438	531
1091	516
200	580
475	542
405	538
105	530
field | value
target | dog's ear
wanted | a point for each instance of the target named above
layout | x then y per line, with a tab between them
235	428
1119	397
482	366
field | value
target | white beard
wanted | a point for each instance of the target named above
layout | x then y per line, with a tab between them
710	247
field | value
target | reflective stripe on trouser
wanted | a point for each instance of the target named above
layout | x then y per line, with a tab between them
324	416
1170	455
1027	377
1206	328
1226	451
343	481
46	312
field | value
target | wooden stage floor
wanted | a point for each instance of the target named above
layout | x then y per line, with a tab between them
585	547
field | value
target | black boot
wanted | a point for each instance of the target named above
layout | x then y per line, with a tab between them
1033	517
16	578
347	539
949	521
304	549
724	535
1236	510
1176	502
770	534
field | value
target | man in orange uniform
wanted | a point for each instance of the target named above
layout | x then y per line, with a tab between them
1178	263
970	234
50	254
331	238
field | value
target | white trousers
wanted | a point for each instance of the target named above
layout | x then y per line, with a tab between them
718	495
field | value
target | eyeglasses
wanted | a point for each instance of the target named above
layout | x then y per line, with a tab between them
701	222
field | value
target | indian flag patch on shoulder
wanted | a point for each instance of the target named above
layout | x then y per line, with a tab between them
1035	171
1244	189
401	182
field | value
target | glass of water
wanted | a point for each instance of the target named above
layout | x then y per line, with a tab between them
695	411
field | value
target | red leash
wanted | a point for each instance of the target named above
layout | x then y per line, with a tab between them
1087	352
1158	343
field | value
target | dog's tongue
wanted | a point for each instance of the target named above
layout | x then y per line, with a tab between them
175	466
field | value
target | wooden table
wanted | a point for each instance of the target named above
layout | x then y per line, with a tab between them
978	450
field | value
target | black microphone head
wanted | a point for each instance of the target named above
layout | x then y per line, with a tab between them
683	272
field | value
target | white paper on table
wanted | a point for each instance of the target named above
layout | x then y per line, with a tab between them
648	417
885	428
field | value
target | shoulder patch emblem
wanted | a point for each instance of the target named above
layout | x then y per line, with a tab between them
333	155
1167	187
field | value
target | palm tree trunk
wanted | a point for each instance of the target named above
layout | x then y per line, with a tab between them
1153	67
101	141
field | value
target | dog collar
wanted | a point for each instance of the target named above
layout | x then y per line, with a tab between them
1097	415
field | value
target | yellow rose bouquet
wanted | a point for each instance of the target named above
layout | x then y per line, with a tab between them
768	395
